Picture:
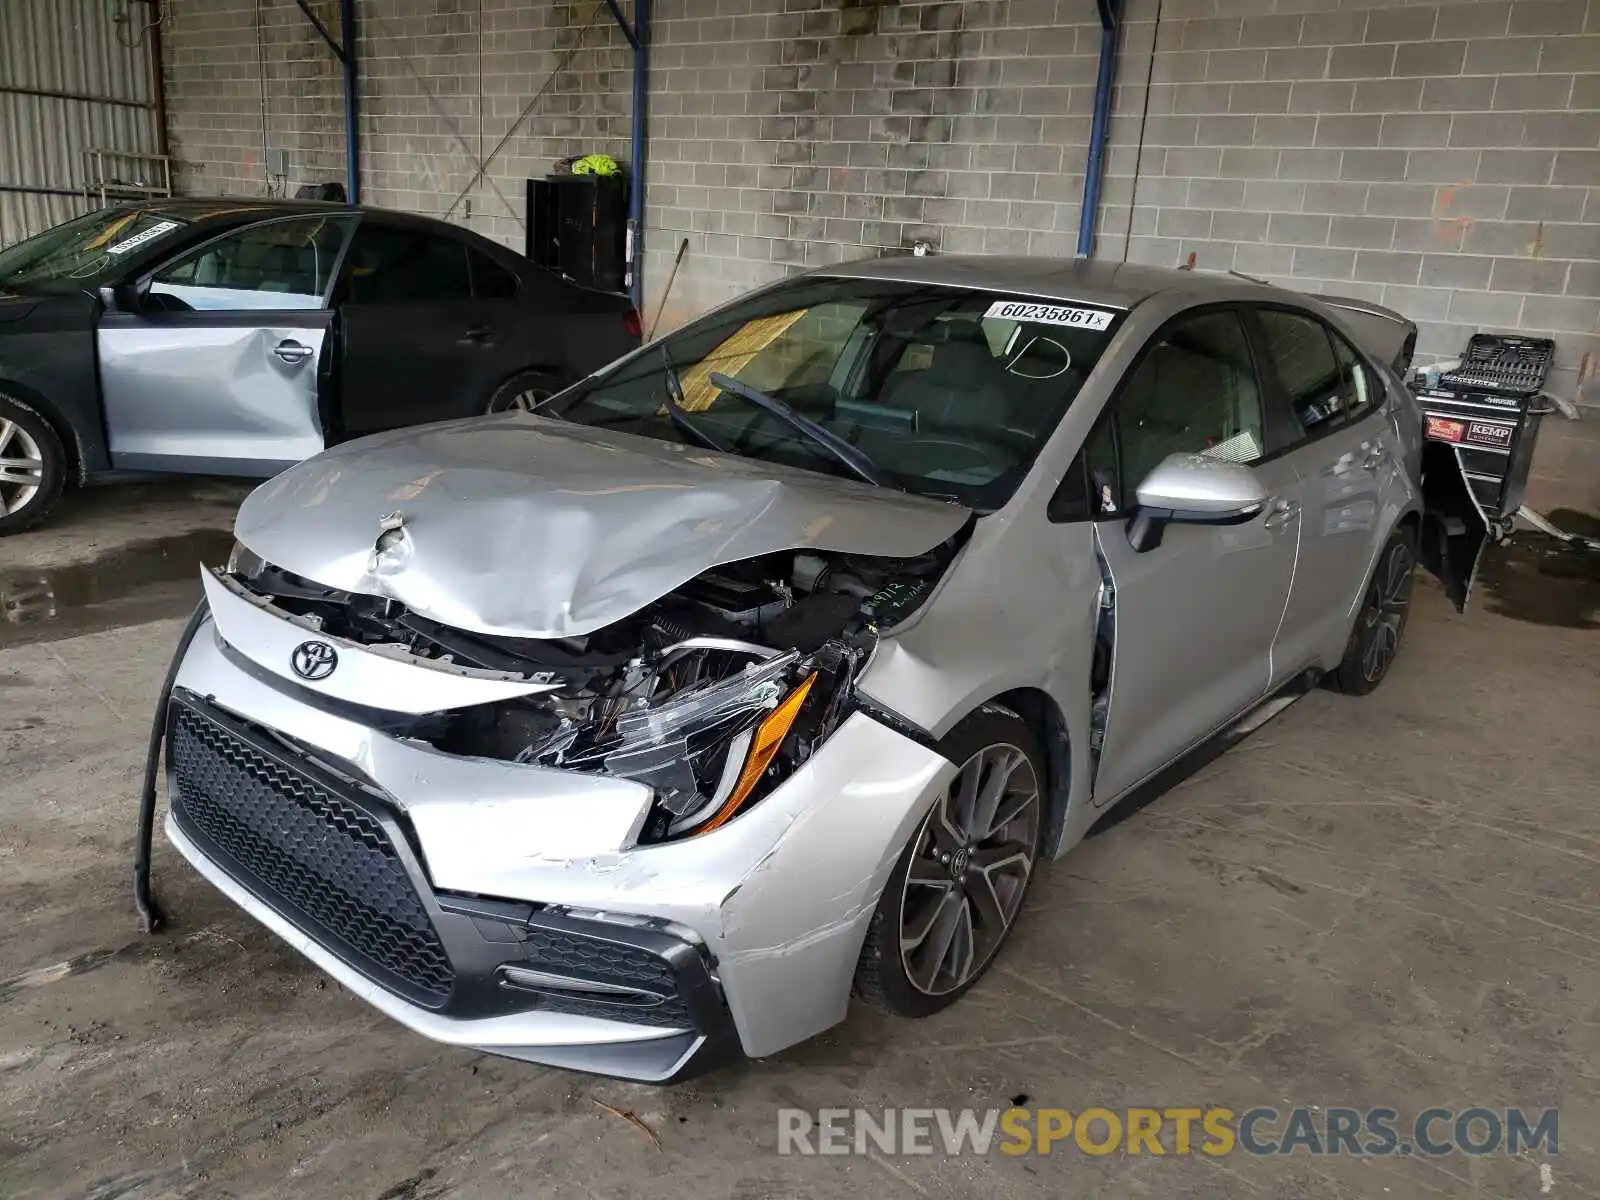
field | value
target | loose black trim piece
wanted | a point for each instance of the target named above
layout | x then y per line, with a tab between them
901	725
1191	760
151	918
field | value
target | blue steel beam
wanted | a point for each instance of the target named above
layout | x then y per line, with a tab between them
344	49
1095	167
638	35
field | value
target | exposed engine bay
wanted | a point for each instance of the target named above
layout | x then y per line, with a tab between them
708	695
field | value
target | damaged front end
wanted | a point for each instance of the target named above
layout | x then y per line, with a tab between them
708	696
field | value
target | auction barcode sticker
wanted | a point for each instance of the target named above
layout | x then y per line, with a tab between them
139	239
1050	314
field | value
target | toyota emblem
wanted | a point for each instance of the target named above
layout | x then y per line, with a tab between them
314	660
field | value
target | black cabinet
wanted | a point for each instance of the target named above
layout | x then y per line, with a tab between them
577	226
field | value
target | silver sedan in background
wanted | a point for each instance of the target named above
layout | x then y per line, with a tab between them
768	665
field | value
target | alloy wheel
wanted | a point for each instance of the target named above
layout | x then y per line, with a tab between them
528	399
969	870
1386	615
21	468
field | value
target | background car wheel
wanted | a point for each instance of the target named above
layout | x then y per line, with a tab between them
1375	638
33	467
955	892
523	392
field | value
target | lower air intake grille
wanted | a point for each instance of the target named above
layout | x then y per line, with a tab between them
317	858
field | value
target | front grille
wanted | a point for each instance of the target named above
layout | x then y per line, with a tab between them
316	857
572	954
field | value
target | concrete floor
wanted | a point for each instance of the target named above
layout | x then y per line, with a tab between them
1382	901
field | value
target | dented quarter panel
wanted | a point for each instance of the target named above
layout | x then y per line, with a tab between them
957	655
521	526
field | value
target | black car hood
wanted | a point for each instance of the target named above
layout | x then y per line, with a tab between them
14	306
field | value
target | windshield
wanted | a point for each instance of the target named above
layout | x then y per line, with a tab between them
947	392
80	253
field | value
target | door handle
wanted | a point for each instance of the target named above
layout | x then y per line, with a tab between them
291	351
1375	456
477	335
1281	512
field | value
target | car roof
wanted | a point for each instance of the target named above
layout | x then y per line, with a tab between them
1094	281
236	209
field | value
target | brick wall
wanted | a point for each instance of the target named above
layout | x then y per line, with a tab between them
1440	158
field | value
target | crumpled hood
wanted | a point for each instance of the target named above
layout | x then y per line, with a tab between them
524	526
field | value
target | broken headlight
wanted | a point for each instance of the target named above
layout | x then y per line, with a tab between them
706	749
244	562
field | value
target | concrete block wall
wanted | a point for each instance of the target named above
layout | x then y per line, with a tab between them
442	83
242	75
1440	158
1443	158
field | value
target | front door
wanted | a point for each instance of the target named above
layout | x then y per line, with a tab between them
419	342
1347	458
221	369
1193	619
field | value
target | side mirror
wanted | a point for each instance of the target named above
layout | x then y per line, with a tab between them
120	297
1196	490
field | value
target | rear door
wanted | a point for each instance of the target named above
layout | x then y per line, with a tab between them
224	366
424	336
1346	454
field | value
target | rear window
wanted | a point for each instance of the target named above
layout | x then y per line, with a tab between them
950	392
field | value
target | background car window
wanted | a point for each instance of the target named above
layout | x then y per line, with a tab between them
1318	391
403	266
281	265
1193	392
490	281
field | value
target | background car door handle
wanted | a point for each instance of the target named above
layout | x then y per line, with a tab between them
1280	513
478	335
1375	456
292	351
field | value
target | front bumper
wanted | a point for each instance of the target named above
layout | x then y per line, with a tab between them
745	938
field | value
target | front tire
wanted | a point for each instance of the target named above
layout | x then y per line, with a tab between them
33	466
1375	637
954	895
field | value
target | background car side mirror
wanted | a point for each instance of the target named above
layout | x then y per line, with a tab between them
1197	490
120	297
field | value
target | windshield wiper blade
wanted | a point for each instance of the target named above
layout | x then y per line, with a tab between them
828	440
679	414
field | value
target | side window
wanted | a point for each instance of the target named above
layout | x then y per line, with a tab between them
490	281
1318	389
1089	488
1193	392
279	265
1360	387
390	265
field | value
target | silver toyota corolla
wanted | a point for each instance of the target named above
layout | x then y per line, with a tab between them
766	666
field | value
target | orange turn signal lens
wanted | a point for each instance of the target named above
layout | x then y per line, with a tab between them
764	745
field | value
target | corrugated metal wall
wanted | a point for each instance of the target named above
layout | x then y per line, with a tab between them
75	75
